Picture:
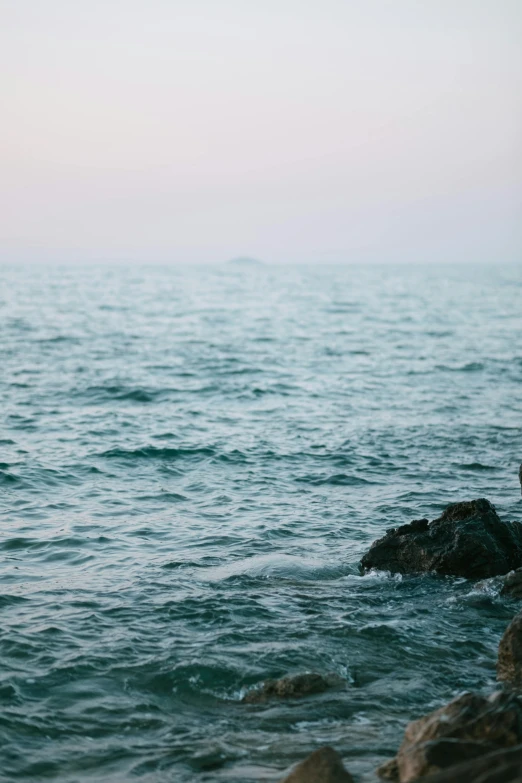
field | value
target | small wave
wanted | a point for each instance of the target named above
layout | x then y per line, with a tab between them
57	339
170	497
469	367
16	544
273	566
12	600
7	478
257	391
235	457
338	479
338	306
385	626
173	565
25	423
240	371
122	393
158	453
20	543
52	477
478	466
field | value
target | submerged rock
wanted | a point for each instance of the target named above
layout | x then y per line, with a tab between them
293	687
500	766
509	662
513	584
469	540
468	727
322	766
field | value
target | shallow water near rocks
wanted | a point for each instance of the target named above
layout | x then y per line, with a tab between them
193	462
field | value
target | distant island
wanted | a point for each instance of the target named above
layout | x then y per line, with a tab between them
245	261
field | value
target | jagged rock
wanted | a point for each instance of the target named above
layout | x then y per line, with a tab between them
500	766
513	584
293	687
469	540
322	766
469	726
509	662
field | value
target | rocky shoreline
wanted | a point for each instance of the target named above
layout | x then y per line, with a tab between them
473	738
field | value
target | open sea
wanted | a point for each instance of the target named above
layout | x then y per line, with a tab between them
193	461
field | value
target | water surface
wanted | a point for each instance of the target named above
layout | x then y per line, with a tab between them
192	463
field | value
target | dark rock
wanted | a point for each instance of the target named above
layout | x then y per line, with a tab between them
322	766
389	770
509	662
513	584
293	687
500	766
469	540
469	726
419	760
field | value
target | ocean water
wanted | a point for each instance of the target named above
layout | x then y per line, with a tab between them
193	461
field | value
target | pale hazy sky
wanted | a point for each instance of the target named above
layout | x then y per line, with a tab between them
291	130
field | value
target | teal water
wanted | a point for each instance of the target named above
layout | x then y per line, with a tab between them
193	462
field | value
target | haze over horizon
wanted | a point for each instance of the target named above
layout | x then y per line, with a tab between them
198	132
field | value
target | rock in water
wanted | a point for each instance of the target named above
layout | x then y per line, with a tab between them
469	540
322	766
509	663
513	584
295	686
468	727
501	766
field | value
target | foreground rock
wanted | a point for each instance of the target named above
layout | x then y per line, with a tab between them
468	727
293	687
469	540
509	662
501	766
322	766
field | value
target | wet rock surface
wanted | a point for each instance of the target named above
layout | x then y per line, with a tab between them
469	539
513	584
509	662
293	687
500	766
323	766
468	727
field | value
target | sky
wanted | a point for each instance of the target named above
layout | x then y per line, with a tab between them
301	131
